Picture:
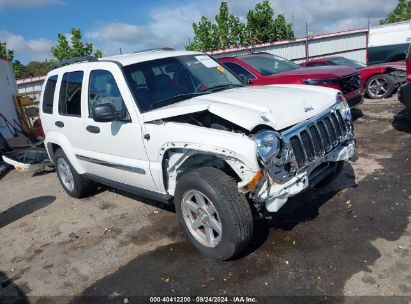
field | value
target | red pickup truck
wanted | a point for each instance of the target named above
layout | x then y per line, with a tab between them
265	69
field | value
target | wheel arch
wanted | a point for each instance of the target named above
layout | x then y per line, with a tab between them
176	161
55	141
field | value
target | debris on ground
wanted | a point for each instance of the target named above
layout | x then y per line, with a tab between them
166	279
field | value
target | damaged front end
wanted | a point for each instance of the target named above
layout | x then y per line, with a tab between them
301	156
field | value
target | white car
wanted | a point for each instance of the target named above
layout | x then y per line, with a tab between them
177	127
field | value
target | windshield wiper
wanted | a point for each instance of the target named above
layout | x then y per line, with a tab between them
176	98
223	87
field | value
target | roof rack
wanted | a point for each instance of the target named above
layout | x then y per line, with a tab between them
74	60
156	49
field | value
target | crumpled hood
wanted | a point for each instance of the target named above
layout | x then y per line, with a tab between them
279	106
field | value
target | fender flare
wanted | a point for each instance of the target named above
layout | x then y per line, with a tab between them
60	140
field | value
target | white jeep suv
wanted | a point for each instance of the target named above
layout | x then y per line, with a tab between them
177	127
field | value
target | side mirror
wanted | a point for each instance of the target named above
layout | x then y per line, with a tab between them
104	112
244	79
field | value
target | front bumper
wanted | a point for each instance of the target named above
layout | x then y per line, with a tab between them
275	195
404	95
355	100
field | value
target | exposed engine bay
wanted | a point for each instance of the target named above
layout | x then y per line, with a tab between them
207	120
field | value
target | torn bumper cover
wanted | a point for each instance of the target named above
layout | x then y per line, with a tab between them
275	194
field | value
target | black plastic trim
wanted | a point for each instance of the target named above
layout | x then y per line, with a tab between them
111	165
161	197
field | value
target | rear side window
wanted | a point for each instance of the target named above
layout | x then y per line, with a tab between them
70	94
48	96
316	64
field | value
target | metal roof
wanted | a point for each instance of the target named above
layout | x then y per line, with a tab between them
276	43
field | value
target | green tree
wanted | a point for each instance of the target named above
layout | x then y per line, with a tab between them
402	12
261	23
37	68
205	36
77	48
282	29
6	53
228	30
20	70
263	27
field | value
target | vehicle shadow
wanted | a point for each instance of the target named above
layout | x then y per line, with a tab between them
356	113
10	293
402	121
305	254
24	208
44	172
3	174
301	208
160	205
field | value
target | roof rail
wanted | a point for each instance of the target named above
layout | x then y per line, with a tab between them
156	49
74	60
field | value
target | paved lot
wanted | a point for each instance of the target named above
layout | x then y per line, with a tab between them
351	238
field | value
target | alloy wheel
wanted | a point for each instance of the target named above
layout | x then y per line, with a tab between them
201	218
64	171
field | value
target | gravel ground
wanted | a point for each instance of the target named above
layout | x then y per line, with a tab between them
352	238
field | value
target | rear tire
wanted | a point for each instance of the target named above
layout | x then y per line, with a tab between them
207	198
73	183
380	86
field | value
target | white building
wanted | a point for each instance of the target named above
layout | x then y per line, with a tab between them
31	85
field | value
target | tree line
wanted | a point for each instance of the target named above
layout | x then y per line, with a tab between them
261	25
63	50
227	30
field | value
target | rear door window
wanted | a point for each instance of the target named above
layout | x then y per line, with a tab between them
70	94
48	97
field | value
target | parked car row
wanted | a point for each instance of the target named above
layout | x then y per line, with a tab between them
179	127
352	78
265	68
381	80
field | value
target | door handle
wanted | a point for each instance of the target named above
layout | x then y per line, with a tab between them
93	129
59	124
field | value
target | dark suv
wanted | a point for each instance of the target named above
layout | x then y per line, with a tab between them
404	93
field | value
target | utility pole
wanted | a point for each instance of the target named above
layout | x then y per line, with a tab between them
307	56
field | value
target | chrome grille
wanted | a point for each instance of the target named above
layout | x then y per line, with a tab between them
318	138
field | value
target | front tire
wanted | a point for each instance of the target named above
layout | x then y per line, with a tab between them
73	183
380	86
215	216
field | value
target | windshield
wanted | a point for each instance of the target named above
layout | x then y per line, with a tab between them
267	64
348	62
165	81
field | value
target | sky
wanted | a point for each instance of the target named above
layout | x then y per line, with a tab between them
30	27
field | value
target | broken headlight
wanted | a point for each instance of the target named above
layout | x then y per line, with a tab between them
344	107
268	145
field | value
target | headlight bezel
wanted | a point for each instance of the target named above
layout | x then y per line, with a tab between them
344	107
275	148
